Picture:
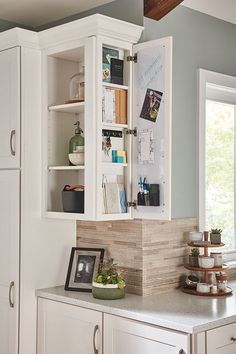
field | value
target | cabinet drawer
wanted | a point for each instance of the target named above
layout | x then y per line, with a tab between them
124	336
222	340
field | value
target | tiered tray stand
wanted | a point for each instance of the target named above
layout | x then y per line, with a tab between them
206	271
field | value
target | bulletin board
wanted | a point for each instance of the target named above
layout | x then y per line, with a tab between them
152	118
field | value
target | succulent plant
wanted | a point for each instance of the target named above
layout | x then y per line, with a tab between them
216	231
195	252
110	274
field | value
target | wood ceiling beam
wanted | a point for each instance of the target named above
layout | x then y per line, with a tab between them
156	9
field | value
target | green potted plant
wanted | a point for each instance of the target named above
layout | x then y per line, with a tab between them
193	257
109	282
215	236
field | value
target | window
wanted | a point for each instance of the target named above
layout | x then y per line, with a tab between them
217	158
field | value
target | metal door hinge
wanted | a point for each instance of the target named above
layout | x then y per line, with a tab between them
132	204
131	131
133	58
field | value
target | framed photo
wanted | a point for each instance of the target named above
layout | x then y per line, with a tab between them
83	266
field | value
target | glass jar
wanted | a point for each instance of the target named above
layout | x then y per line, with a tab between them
222	281
77	87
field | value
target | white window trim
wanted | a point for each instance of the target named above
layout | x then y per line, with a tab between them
208	77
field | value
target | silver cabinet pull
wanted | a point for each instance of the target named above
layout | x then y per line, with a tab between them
11	303
94	338
13	133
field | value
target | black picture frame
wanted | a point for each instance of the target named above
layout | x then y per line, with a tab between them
83	266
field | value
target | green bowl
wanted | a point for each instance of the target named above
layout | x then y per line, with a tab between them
107	292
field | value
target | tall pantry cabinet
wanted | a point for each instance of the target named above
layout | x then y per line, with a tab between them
33	250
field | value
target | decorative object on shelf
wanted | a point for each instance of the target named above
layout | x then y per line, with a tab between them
77	86
205	262
118	156
218	259
222	281
191	281
193	257
73	199
109	283
203	287
114	105
195	236
83	266
76	146
107	55
209	266
215	236
111	140
206	236
117	68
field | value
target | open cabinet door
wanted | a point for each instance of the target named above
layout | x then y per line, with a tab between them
152	98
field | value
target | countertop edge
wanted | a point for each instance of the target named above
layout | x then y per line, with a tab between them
132	315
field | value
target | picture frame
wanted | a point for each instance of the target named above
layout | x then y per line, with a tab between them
83	266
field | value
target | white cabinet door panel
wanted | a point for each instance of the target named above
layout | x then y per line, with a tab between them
10	108
9	260
67	329
123	336
222	340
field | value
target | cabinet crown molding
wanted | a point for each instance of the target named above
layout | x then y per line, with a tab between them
90	26
18	37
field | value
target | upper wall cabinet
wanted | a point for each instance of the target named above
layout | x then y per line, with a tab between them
10	108
106	122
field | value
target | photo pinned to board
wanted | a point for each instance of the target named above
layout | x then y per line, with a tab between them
151	105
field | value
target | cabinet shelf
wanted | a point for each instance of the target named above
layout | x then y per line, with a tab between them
66	216
198	269
72	108
114	125
65	168
115	86
114	164
195	244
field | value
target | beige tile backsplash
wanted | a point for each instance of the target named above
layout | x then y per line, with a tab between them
152	252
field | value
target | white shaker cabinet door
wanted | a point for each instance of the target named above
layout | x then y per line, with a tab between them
10	108
68	329
9	261
123	336
222	340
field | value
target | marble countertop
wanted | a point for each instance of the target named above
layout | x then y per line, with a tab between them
174	310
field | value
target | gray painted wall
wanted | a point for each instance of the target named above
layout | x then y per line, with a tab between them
5	25
200	41
127	10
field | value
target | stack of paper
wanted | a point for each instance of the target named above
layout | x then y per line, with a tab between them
114	196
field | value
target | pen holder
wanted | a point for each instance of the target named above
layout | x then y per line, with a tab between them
154	194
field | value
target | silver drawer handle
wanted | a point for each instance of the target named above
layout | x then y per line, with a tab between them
94	338
13	133
10	293
233	339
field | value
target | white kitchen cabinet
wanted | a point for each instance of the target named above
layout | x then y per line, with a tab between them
124	336
147	67
9	261
64	328
222	340
10	108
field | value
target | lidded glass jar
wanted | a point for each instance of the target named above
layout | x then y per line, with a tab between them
222	281
77	86
77	141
